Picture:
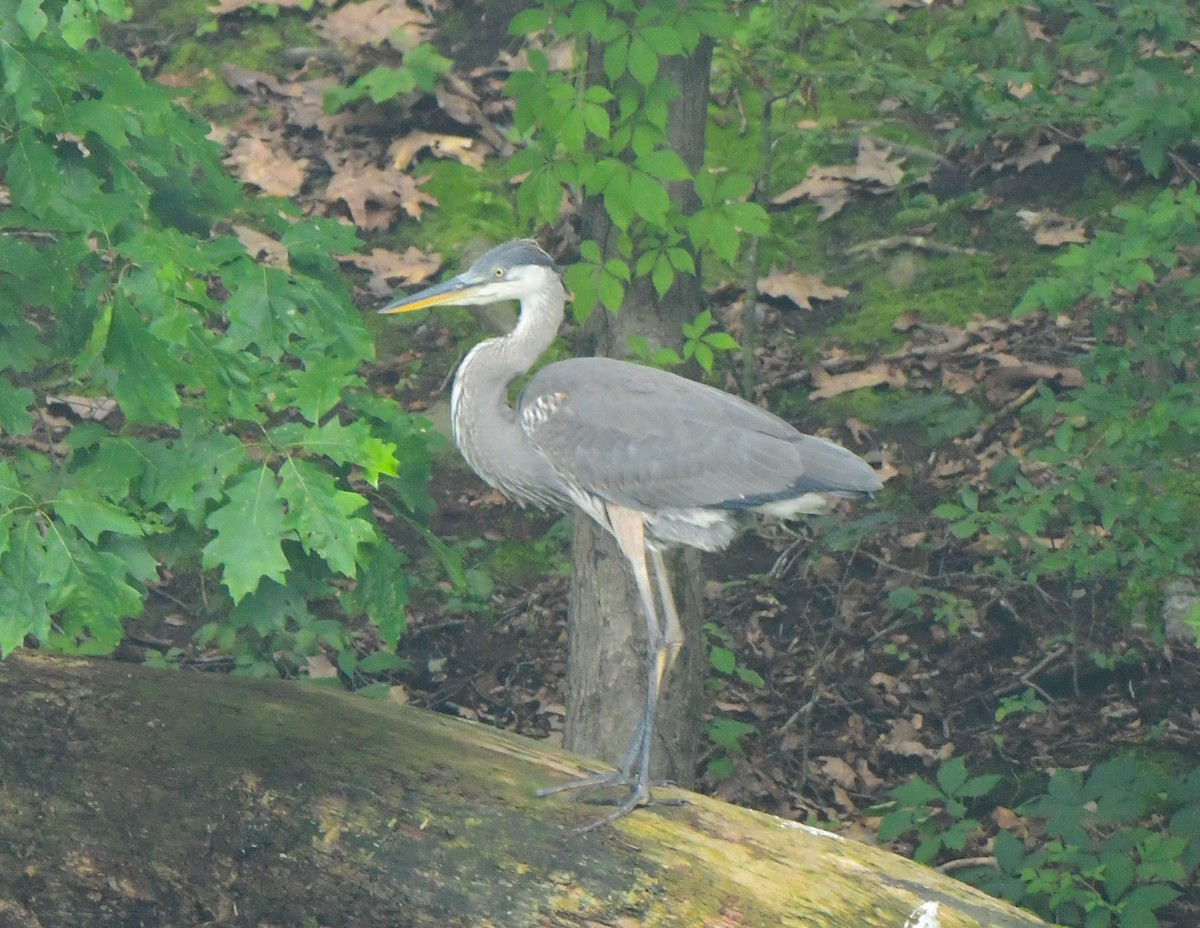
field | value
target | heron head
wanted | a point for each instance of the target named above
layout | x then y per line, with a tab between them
507	272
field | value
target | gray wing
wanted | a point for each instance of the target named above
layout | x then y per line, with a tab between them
647	439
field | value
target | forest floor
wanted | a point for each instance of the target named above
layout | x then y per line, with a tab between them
883	650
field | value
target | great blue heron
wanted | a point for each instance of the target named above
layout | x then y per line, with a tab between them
655	459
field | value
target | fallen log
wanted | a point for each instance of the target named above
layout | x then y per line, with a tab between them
135	797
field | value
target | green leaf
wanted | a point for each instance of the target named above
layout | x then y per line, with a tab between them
318	387
91	516
664	40
664	164
721	341
143	374
894	824
1148	898
722	659
185	473
663	276
951	775
643	62
15	417
31	18
529	21
650	198
611	292
588	16
249	528
321	516
23	594
728	734
346	444
382	592
915	792
616	58
92	594
595	118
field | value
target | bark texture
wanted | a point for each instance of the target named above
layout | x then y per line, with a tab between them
133	797
607	676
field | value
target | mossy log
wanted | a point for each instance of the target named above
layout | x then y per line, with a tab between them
133	797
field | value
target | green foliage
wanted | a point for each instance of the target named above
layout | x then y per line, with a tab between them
606	136
698	343
999	80
420	70
724	661
242	437
1116	846
942	606
1113	484
937	813
1103	850
726	734
1025	704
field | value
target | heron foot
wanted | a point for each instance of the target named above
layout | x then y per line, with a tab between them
639	795
594	781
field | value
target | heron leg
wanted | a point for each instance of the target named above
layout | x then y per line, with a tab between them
628	527
673	632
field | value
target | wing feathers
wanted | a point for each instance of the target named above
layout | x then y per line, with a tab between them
651	440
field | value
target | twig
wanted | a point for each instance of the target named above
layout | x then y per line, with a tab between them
963	862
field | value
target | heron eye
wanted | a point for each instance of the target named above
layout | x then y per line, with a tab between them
499	272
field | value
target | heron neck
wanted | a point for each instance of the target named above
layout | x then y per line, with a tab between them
479	408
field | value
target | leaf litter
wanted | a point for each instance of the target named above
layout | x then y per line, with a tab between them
859	694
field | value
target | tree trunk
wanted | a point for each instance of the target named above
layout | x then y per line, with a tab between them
135	797
607	639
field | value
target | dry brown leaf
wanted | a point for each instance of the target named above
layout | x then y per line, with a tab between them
373	22
839	771
320	667
859	430
248	81
306	105
1051	229
801	289
875	167
95	408
1084	78
399	694
390	269
885	470
957	382
902	740
259	160
1036	154
262	247
869	780
885	681
831	194
373	195
835	384
470	152
827	185
1058	235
